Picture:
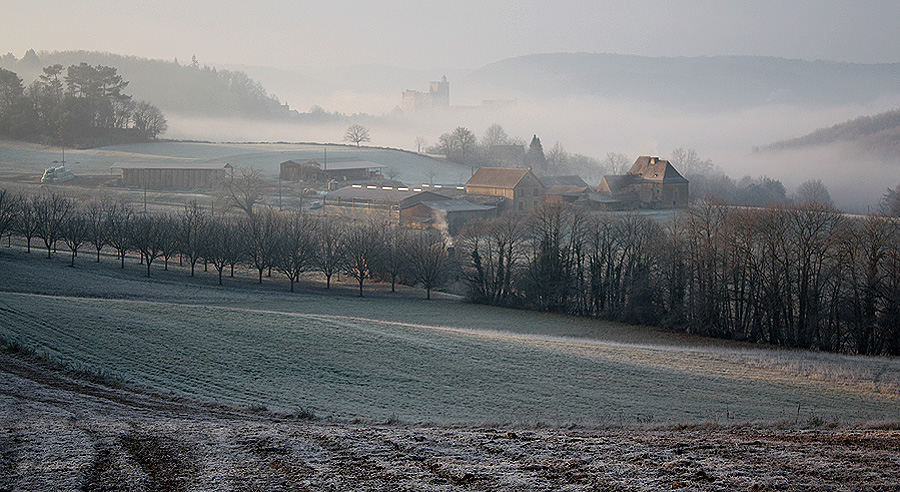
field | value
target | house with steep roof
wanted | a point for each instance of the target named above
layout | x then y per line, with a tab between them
521	187
651	182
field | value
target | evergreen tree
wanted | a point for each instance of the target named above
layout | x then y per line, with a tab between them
534	158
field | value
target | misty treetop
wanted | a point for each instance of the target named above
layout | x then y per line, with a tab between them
81	106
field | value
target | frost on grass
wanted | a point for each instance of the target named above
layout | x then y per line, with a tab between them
60	432
566	404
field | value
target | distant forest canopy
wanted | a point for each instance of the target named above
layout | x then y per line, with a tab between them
188	89
78	106
878	135
709	83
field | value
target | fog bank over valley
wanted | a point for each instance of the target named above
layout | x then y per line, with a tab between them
591	104
587	124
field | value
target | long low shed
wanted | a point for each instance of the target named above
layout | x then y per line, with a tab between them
172	175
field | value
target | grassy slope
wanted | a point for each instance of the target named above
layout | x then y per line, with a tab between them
414	168
433	361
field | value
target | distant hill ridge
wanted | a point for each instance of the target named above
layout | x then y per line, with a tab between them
878	134
710	83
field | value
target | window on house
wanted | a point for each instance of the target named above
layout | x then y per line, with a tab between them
521	206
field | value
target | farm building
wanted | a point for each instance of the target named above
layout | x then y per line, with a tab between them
520	186
445	215
172	175
564	189
359	201
651	182
452	191
338	170
297	171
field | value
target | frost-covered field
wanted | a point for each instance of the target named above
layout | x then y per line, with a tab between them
432	396
413	169
443	361
59	432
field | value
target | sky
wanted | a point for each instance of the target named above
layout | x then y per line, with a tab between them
465	34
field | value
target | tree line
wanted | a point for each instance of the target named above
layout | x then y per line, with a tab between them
800	276
79	106
496	148
292	244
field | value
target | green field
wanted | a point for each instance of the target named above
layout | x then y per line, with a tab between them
413	168
441	361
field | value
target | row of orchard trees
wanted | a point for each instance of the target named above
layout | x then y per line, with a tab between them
290	243
804	276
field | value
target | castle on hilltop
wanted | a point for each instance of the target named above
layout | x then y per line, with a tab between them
438	96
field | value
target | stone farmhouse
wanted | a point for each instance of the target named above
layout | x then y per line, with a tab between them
652	182
491	191
521	188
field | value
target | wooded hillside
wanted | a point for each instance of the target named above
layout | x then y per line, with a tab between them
878	134
183	88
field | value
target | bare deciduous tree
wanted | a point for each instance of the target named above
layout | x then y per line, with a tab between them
121	235
98	225
357	134
421	143
494	135
245	190
148	238
75	231
393	260
616	163
491	253
361	249
168	238
329	259
50	211
10	206
27	224
427	260
260	234
296	246
813	191
191	228
222	245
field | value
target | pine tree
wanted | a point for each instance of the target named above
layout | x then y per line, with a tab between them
534	158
